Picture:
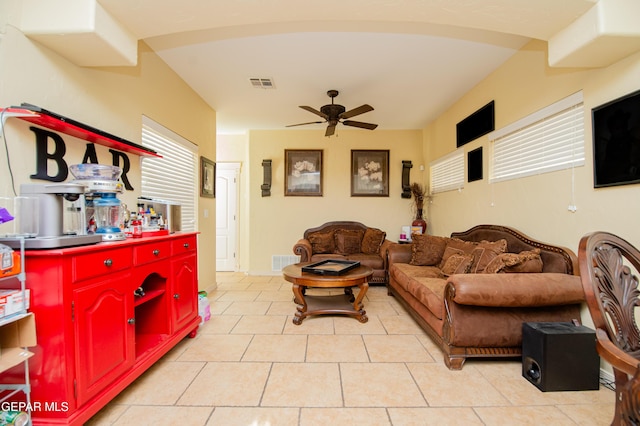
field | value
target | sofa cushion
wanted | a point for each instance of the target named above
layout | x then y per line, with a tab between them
326	256
427	250
348	241
372	240
322	242
402	271
429	291
457	264
456	246
425	283
485	252
373	261
527	261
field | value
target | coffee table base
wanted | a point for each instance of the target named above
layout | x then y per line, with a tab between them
339	304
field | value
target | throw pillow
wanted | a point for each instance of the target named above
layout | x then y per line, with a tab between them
457	246
372	240
427	250
527	261
457	264
485	252
348	241
322	242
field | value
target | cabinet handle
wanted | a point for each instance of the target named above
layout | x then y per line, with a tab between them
176	296
131	320
156	252
185	245
108	263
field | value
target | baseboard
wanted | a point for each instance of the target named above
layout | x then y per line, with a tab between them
607	379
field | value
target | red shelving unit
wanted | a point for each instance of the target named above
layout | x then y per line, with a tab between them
71	129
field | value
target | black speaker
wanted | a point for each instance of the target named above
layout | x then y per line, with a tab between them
560	356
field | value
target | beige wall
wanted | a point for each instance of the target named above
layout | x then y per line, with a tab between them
537	205
278	221
112	99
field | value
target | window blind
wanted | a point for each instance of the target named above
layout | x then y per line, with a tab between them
172	177
548	140
447	173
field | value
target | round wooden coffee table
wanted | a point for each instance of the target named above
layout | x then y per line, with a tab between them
345	304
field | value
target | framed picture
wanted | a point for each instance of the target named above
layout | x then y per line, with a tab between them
207	178
303	172
369	173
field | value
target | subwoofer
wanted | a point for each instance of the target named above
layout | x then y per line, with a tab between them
560	356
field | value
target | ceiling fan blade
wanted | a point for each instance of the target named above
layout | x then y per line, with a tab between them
360	124
331	129
314	111
304	124
356	111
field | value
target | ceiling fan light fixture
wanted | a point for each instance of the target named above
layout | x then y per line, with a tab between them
334	114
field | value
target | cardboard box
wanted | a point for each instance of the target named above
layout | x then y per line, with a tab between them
11	301
9	262
15	336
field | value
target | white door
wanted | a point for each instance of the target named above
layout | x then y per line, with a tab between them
227	177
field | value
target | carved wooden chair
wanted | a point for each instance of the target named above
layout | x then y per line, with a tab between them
607	265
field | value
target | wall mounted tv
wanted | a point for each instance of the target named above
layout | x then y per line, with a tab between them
616	141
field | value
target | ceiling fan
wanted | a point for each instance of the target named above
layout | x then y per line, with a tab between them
334	114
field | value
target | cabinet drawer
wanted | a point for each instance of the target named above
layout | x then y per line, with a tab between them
100	263
146	253
184	245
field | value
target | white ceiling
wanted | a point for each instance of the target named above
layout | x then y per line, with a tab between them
409	59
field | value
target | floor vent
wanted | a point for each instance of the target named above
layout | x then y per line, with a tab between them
279	261
262	83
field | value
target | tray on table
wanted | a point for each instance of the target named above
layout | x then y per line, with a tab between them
330	267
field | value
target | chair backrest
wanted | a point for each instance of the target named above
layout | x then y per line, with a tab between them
611	287
608	269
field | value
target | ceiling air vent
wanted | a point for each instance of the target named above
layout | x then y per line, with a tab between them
262	83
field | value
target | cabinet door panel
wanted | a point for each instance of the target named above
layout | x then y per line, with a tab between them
105	333
184	290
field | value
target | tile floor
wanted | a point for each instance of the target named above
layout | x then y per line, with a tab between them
251	366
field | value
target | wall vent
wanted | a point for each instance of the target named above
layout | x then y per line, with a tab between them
279	261
262	83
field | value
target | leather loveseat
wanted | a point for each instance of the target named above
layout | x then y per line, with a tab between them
472	292
346	240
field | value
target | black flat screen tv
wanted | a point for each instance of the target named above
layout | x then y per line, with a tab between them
616	141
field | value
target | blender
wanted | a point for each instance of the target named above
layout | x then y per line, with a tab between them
103	208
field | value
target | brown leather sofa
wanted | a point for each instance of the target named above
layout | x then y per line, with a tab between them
472	292
346	240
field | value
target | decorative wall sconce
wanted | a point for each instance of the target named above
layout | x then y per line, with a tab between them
266	186
406	186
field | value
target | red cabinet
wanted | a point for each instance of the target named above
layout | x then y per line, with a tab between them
185	274
104	314
104	329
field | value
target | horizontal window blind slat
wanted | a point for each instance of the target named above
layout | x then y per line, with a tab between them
173	177
546	144
447	173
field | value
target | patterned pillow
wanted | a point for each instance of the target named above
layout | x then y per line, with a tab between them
348	241
485	252
457	264
322	242
427	250
457	246
528	261
372	240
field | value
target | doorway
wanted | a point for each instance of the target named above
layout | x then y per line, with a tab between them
227	183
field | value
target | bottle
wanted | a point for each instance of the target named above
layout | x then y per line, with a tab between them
136	227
